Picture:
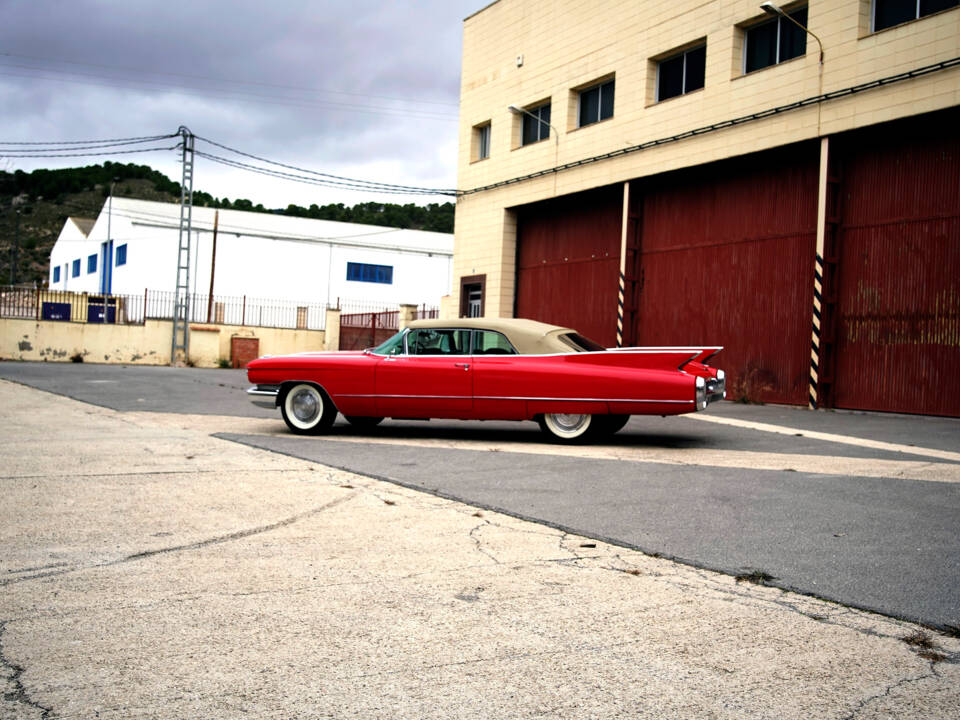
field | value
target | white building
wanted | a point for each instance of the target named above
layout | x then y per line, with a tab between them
259	255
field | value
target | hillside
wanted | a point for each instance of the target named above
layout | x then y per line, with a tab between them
46	198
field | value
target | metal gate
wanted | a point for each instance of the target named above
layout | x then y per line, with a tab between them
362	330
726	256
898	268
568	259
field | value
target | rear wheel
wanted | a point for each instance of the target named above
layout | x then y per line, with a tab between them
607	424
564	427
307	410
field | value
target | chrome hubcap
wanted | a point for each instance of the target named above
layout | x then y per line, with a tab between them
305	406
569	423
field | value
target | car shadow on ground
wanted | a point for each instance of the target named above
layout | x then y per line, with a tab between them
522	434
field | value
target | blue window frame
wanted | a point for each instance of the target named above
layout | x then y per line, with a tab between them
75	268
364	272
56	274
121	255
91	263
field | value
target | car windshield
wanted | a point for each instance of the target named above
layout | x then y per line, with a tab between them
393	346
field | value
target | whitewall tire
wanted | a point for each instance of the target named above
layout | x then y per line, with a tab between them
307	410
565	427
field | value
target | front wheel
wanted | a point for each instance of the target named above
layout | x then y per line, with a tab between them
563	427
307	410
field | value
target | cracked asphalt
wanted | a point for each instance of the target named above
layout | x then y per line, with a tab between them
151	569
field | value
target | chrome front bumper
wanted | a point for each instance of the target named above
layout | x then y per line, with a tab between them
264	396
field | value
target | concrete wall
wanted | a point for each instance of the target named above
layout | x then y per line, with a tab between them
521	52
147	344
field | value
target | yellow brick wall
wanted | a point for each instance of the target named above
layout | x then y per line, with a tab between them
566	44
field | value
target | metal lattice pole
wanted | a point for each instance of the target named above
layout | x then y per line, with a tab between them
181	304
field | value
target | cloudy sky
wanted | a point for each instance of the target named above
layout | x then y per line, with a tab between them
363	89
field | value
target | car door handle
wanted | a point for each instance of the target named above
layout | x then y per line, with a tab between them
465	366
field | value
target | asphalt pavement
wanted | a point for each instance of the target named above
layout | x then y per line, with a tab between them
857	508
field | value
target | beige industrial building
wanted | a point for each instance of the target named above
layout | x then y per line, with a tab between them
783	180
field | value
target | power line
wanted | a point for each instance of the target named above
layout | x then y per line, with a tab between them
26	154
336	180
111	141
109	147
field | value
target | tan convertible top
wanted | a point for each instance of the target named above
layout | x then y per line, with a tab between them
529	337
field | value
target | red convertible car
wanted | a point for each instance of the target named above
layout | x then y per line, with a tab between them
488	369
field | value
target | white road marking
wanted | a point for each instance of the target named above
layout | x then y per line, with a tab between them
829	437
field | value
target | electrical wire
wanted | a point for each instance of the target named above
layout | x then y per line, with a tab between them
378	188
390	187
111	141
25	154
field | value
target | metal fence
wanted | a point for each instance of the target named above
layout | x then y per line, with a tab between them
39	304
30	303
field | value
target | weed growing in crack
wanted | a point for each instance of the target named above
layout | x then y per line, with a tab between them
757	577
925	646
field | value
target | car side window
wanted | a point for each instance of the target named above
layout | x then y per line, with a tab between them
488	342
438	341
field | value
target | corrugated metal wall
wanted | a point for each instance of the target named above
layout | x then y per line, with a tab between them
898	294
726	256
568	262
724	253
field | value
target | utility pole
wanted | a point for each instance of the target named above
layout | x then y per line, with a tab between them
213	262
181	301
15	251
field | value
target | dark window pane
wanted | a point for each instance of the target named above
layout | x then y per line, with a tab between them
888	13
529	129
793	40
536	124
544	124
671	78
696	69
589	106
761	46
606	100
927	7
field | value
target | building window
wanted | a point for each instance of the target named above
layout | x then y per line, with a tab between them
91	263
122	255
472	291
481	141
595	103
681	73
536	124
775	41
56	274
75	268
887	13
364	272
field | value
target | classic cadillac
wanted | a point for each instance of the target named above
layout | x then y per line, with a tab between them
488	369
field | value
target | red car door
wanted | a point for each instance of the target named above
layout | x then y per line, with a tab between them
434	380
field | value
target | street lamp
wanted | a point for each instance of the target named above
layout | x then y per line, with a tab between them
771	9
520	111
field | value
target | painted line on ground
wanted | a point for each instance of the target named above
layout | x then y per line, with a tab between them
829	437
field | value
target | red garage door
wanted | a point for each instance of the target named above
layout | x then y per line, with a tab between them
726	257
898	268
568	262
